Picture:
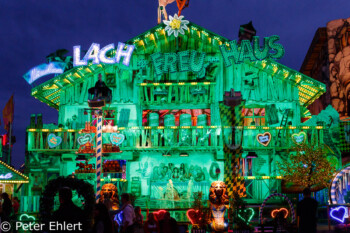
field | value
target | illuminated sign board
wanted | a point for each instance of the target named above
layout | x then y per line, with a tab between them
6	176
97	55
238	53
264	139
44	69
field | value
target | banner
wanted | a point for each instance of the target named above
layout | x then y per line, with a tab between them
44	69
7	113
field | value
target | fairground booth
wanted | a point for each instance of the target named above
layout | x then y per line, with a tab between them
11	180
184	107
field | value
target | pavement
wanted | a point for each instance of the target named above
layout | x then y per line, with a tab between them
323	228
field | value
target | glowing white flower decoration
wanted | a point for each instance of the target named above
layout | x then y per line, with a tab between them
176	25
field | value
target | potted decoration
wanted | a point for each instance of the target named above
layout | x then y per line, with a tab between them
241	215
198	214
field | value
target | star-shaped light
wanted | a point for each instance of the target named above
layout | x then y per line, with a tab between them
176	25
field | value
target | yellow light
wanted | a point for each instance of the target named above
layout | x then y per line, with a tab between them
194	83
275	68
45	130
143	84
169	84
156	84
181	83
31	130
206	83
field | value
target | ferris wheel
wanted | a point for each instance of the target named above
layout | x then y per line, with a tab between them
339	191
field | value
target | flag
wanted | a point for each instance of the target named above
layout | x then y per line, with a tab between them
7	113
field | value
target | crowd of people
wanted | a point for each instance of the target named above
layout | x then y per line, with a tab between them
8	208
126	219
130	220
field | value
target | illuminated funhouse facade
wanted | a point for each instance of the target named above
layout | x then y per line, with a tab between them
169	106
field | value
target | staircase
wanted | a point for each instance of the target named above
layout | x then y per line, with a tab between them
283	122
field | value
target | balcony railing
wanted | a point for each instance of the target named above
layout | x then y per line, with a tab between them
259	188
177	93
136	139
277	137
207	138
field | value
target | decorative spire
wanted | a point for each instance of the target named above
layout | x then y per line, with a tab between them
246	32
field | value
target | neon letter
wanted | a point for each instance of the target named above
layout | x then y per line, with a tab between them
103	57
197	66
157	59
92	54
260	54
232	53
76	57
170	62
124	53
276	47
184	61
246	51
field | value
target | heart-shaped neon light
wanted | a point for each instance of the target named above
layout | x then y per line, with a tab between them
244	213
53	140
82	140
338	213
27	218
275	212
264	139
117	138
159	214
194	216
299	138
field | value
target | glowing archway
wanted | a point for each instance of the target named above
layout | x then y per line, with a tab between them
292	211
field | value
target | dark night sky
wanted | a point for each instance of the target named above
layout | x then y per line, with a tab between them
30	30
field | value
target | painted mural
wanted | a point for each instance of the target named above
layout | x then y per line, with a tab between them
175	178
339	64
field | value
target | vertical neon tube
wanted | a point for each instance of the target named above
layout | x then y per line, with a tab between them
98	157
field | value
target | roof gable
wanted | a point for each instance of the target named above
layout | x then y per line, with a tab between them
195	38
10	175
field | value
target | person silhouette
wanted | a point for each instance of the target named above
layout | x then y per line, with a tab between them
68	213
307	211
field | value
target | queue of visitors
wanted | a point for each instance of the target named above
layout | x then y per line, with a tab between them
132	221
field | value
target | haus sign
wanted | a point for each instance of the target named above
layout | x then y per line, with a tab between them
239	53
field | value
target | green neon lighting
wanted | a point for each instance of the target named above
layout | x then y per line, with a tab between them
252	213
26	218
260	53
238	53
